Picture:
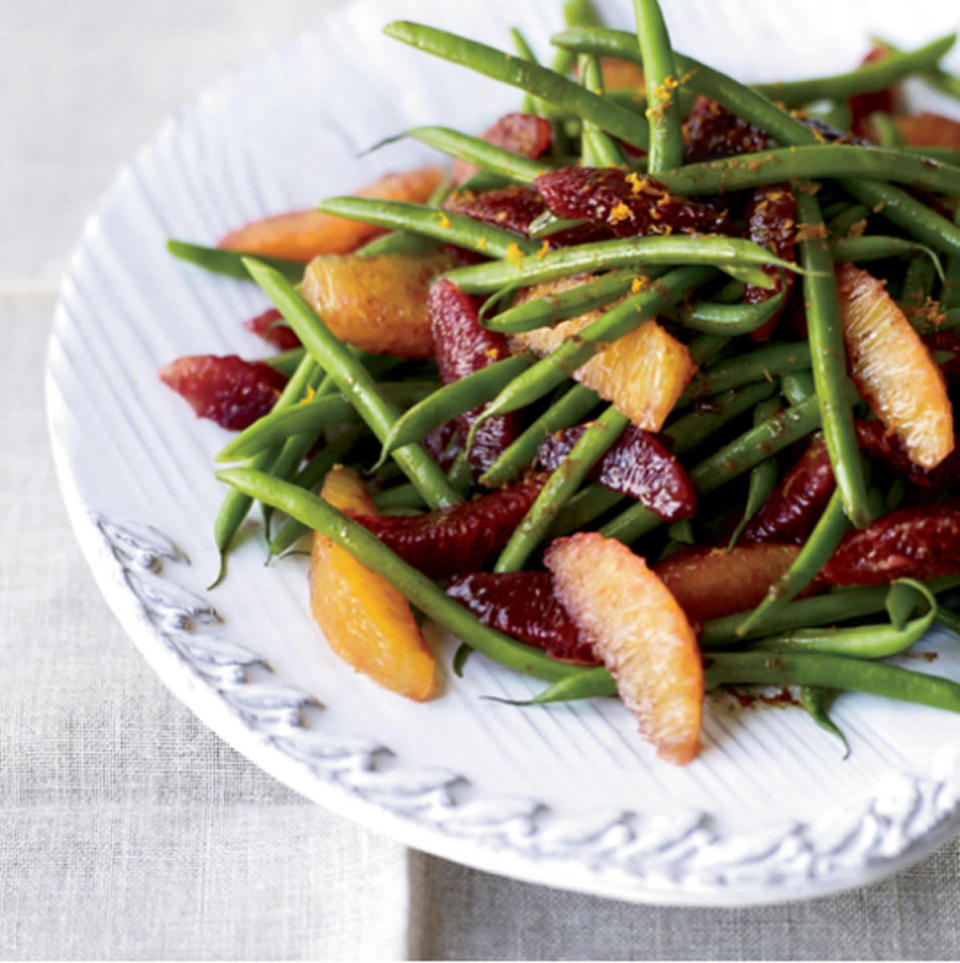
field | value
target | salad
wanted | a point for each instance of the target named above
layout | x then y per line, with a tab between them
651	392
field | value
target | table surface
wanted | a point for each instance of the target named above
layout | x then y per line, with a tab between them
128	829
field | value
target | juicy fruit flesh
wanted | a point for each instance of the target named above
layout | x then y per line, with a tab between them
376	304
302	235
640	632
642	374
893	369
711	582
365	620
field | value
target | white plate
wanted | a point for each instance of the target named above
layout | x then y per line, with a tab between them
569	796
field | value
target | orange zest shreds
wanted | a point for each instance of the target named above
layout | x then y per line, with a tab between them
893	369
365	620
544	250
712	582
640	632
639	283
807	231
514	254
619	212
302	235
642	374
308	395
442	220
929	130
377	303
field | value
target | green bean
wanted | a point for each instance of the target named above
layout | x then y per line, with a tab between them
400	497
397	242
446	226
235	505
834	671
525	52
474	150
728	319
946	155
876	75
484	181
286	361
758	365
570	409
935	76
585	683
862	642
538	81
836	113
895	204
311	416
811	162
843	223
589	448
221	260
740	455
763	477
620	320
917	282
821	544
598	148
705	347
876	247
949	620
694	428
355	382
660	78
817	700
588	504
950	292
546	309
828	359
371	552
311	476
456	398
884	130
547	224
797	386
726	253
838	606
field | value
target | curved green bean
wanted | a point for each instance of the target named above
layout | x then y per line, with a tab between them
371	552
538	81
828	359
876	75
727	319
812	162
456	398
544	310
758	365
876	247
355	382
935	76
797	386
448	227
725	253
816	700
831	671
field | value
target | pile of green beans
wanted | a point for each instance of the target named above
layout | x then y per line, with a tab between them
735	424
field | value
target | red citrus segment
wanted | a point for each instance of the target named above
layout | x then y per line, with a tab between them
226	389
640	632
365	620
273	329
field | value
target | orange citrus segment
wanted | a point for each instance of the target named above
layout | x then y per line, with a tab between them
893	369
376	304
642	374
302	235
711	582
365	620
640	632
929	130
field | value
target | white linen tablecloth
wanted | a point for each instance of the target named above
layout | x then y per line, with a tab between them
128	830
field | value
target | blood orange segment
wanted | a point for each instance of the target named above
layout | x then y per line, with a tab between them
711	582
377	304
640	632
893	369
365	620
643	373
302	235
929	130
